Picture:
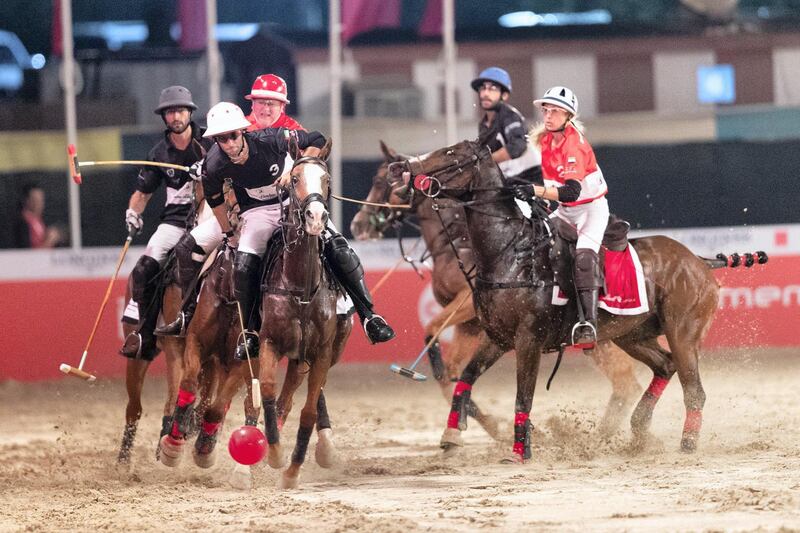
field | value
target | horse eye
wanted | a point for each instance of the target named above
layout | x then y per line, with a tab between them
295	179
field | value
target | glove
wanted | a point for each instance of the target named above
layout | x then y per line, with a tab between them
133	221
196	170
524	192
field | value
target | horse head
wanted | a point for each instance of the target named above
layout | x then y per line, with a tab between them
455	171
372	221
309	189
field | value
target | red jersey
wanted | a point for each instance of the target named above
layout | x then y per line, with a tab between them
36	229
572	159
284	121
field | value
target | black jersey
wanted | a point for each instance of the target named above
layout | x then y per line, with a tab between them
254	181
179	185
510	129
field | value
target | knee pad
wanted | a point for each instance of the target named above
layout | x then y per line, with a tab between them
143	274
245	267
190	258
342	257
587	269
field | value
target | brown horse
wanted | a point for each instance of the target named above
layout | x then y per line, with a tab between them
136	368
513	292
298	310
450	288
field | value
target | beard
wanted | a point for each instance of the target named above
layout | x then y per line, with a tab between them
177	126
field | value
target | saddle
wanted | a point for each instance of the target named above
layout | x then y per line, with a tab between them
565	237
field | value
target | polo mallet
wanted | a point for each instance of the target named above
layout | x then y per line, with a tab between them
79	372
254	383
406	259
410	372
75	165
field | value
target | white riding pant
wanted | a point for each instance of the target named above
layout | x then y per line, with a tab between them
208	235
163	240
256	227
590	220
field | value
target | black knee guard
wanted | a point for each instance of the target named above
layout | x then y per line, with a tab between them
246	268
586	270
188	253
143	277
347	267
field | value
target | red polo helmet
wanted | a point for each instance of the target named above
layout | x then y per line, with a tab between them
269	86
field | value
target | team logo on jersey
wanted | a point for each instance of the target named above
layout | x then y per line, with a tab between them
171	172
571	160
274	169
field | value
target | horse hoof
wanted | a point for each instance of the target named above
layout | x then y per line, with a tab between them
241	478
171	451
287	482
689	444
275	459
205	460
513	459
451	437
325	451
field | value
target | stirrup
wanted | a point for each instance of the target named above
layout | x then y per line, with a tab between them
242	352
585	343
134	339
381	330
176	328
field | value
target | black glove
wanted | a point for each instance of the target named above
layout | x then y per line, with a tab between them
524	192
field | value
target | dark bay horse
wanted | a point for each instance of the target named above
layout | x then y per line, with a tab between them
136	368
450	287
513	291
299	319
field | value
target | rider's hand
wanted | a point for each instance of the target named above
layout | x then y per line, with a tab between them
195	171
133	221
524	192
230	240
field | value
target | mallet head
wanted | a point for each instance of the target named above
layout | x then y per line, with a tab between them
72	154
408	373
77	372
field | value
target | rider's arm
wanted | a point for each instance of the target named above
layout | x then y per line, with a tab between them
139	201
221	213
569	192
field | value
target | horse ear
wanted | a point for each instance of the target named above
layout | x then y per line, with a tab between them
391	155
294	147
388	154
326	150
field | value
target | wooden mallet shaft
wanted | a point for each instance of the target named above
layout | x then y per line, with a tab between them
75	165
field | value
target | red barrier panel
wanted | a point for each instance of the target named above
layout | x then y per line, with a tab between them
46	323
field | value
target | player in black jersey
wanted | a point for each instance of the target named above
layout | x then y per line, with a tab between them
183	144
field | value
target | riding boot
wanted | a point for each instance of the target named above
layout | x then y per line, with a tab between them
141	342
246	270
588	280
190	259
348	270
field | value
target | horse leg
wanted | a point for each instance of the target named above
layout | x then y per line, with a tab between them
208	384
205	445
135	371
325	450
308	418
618	368
294	378
649	352
529	355
487	354
461	350
685	351
268	370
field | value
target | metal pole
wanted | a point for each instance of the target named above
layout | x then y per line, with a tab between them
212	53
70	119
335	59
449	42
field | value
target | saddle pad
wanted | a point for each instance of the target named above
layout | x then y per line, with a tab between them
625	292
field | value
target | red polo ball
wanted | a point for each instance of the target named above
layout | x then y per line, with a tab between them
247	445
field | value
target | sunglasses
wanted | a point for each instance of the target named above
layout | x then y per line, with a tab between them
225	137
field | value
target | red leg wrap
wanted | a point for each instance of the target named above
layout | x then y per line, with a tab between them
519	433
657	386
694	420
452	418
185	398
210	428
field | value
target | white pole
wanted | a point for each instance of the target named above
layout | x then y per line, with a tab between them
335	59
212	53
449	42
71	120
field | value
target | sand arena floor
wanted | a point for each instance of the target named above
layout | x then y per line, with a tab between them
59	441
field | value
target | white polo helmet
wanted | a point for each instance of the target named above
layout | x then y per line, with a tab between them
224	118
561	97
